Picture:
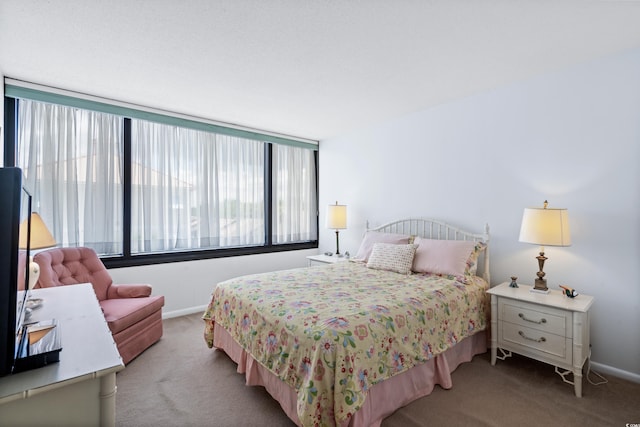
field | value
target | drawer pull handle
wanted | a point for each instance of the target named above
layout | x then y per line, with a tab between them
543	320
541	339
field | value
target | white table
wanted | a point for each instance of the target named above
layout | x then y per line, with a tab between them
551	328
80	389
325	259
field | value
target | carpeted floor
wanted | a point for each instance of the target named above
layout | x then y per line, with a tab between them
181	382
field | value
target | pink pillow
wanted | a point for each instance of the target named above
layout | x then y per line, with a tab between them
442	256
372	237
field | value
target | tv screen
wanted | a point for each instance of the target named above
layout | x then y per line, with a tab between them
14	264
24	344
24	260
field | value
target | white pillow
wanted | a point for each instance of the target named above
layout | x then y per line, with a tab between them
442	256
392	257
372	237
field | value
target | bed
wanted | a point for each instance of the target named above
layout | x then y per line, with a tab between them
349	343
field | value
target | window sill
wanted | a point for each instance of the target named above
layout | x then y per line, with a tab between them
168	257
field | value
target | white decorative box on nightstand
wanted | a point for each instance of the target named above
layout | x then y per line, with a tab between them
325	259
551	328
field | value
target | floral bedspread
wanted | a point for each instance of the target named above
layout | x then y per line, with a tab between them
334	331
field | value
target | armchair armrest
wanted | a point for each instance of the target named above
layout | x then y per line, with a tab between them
128	291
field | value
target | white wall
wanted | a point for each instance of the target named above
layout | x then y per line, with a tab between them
572	137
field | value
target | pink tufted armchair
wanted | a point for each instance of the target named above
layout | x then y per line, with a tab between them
133	315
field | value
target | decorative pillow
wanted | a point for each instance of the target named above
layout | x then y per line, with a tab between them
447	257
392	257
373	237
472	262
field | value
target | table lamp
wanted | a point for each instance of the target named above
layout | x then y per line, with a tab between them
39	238
544	227
337	220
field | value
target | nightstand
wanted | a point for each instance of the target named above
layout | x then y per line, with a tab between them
325	259
551	328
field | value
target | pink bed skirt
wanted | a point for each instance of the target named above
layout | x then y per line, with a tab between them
384	398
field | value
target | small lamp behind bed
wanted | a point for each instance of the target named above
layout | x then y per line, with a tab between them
337	220
544	227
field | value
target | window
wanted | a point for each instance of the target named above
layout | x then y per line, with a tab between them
295	209
193	189
72	163
144	191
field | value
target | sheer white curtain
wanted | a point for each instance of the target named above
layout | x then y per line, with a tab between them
294	194
71	159
193	189
190	189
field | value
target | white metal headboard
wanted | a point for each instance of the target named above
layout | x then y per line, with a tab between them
434	229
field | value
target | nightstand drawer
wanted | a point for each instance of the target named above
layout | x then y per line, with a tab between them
533	342
546	319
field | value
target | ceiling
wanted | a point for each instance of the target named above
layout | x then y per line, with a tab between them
313	69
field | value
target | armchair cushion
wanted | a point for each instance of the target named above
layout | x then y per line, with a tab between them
120	313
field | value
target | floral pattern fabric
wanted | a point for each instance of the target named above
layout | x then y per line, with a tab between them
334	331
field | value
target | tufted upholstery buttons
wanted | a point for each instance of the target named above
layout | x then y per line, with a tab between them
69	266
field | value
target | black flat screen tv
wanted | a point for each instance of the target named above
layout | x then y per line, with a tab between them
15	208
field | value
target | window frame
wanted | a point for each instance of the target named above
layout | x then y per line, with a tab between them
127	259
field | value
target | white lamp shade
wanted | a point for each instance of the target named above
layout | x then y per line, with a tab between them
545	227
337	217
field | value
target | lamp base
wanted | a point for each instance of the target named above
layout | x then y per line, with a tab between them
34	273
540	286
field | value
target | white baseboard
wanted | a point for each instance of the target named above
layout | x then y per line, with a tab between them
610	370
183	312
